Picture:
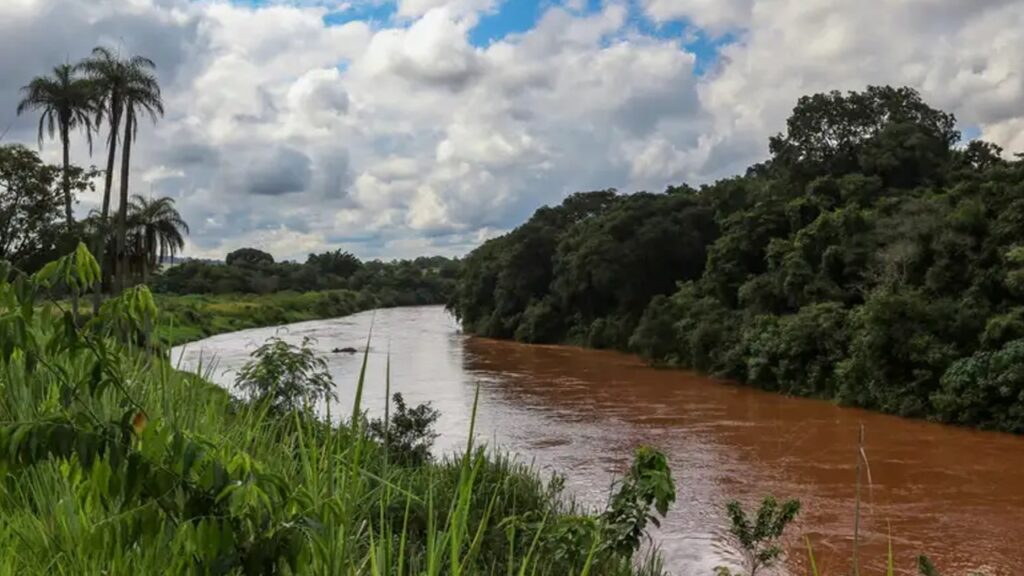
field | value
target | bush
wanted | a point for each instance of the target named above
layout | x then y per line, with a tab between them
655	335
541	323
285	377
986	389
799	353
902	343
760	540
409	434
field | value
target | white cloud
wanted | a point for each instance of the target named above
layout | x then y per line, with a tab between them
398	138
716	15
966	58
417	8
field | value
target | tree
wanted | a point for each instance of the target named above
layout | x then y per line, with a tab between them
248	257
285	376
125	88
66	103
826	131
859	264
156	230
338	263
30	204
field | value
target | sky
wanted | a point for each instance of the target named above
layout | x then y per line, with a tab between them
398	128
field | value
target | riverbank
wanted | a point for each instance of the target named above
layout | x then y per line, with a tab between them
582	412
845	267
150	470
186	318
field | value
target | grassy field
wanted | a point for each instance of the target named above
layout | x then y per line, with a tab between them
192	317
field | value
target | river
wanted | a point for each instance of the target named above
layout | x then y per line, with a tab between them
953	493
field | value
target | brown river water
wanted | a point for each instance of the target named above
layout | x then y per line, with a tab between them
953	493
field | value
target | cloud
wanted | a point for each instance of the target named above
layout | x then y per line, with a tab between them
434	50
397	136
966	58
277	171
713	15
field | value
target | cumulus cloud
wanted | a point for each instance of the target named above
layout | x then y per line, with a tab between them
399	136
713	15
276	171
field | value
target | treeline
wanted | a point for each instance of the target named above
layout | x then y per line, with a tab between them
251	271
873	259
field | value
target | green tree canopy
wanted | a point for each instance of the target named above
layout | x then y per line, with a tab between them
248	257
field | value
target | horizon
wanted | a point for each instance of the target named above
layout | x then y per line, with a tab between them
422	127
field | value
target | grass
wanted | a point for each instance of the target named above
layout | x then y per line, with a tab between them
114	462
185	318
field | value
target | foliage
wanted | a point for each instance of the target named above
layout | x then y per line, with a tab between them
759	539
30	204
408	434
248	257
285	377
155	231
112	461
337	263
124	88
985	389
648	484
584	271
398	283
867	256
65	102
191	317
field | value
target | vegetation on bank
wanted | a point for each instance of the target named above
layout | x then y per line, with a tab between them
250	290
873	259
194	317
113	462
425	280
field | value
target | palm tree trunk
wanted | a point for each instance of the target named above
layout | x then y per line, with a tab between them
122	214
108	182
65	140
66	181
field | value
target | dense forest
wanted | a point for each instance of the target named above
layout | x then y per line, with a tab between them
873	259
425	280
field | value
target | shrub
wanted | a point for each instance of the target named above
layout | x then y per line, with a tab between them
648	484
409	433
759	540
285	377
986	389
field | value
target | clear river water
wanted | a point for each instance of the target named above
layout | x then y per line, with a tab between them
953	493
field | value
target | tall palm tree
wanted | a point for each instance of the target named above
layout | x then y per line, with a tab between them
66	103
156	231
142	98
127	88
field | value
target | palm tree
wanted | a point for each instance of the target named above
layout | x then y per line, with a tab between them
66	103
127	88
156	231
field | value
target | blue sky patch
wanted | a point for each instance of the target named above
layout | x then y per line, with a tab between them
519	16
968	133
511	18
371	12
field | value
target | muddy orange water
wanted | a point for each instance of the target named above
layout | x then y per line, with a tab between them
953	493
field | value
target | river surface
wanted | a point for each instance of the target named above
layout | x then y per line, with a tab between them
953	493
